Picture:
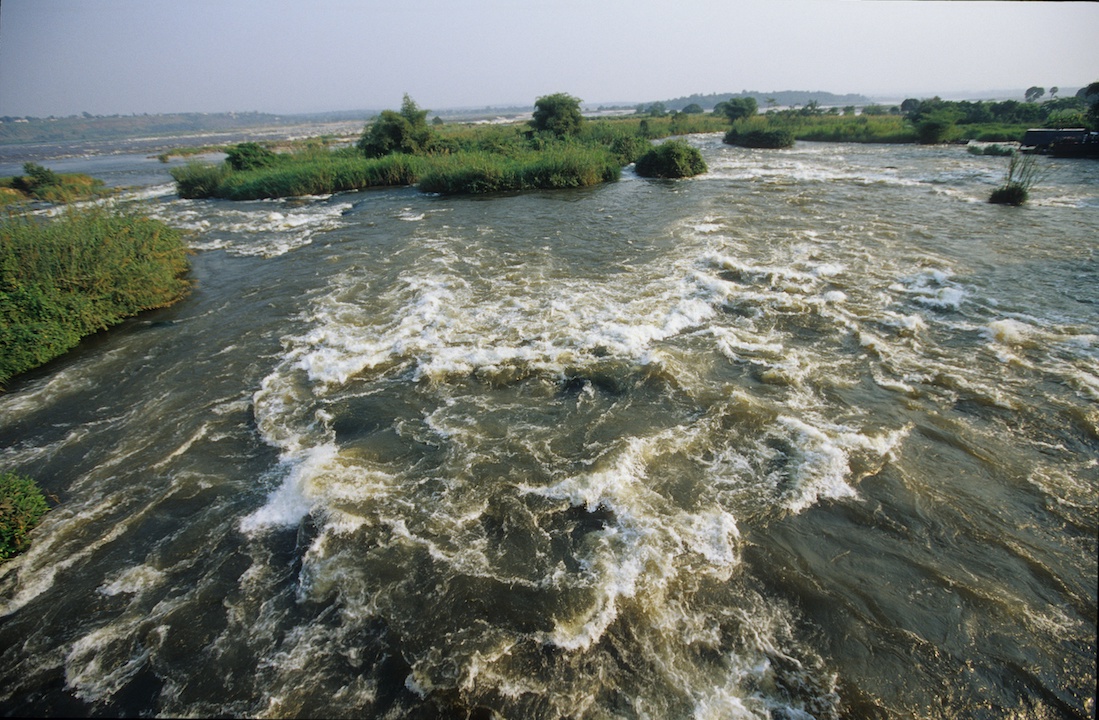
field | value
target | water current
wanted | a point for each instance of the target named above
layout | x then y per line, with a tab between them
814	434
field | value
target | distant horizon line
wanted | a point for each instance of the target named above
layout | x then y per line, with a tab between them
973	95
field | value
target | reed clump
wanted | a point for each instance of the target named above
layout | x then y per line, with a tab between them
1021	176
69	276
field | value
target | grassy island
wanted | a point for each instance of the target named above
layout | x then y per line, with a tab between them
557	149
43	184
66	277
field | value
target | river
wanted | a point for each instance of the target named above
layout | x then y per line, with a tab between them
814	434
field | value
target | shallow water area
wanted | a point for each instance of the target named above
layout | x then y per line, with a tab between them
814	434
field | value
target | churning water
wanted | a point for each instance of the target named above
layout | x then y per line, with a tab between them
815	434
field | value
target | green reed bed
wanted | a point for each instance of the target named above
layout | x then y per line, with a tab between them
69	276
310	175
319	176
568	166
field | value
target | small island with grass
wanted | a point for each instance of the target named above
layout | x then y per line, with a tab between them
558	148
38	183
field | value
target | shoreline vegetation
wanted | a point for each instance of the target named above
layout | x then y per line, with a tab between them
66	277
559	148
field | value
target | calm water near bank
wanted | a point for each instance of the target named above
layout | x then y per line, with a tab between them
813	434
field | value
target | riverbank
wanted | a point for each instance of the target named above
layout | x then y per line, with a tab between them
69	276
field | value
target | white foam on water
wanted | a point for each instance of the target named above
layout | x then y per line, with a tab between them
91	675
133	581
646	545
254	229
933	289
293	499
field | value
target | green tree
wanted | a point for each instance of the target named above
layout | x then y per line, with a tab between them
557	114
656	109
36	179
406	131
1090	95
742	107
935	128
693	109
411	111
1034	93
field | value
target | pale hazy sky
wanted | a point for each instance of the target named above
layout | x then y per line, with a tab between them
63	57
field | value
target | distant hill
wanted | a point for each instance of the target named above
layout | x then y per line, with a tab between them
765	99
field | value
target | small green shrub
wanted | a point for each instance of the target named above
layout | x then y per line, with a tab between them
629	148
41	183
1012	194
934	130
768	139
406	131
21	508
672	159
250	156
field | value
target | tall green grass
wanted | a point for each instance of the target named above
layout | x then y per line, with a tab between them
72	275
321	175
564	166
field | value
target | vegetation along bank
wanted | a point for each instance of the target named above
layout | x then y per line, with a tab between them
86	269
559	148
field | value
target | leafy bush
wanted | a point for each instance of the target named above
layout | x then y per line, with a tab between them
78	273
738	108
770	139
934	129
250	156
672	159
406	131
21	507
41	183
36	178
1011	194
